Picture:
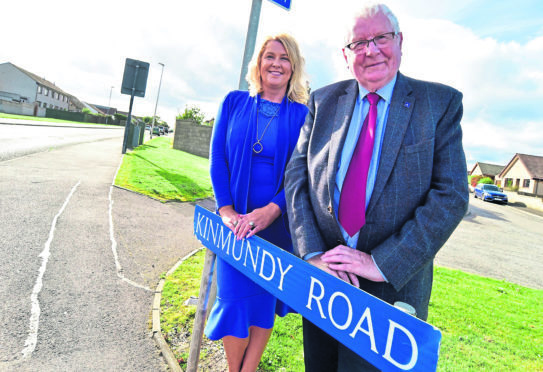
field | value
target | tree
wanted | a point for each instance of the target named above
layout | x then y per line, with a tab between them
192	112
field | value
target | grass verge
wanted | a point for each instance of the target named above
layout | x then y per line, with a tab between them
487	324
161	172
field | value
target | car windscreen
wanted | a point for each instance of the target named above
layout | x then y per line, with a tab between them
491	188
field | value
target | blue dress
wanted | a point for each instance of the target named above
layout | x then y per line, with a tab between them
253	183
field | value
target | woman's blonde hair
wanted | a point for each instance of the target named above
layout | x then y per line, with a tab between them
298	86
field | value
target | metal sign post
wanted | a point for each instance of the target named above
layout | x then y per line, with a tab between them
250	41
134	84
201	312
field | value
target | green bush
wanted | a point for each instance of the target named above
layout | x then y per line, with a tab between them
486	180
192	112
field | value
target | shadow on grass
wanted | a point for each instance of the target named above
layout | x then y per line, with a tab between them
186	186
183	184
144	147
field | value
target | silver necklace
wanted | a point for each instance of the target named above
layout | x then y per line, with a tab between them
257	146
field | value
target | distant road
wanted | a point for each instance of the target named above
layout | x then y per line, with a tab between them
497	241
23	137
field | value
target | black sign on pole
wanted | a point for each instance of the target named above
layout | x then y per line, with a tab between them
135	77
134	84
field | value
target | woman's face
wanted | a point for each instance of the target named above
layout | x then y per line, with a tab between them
275	67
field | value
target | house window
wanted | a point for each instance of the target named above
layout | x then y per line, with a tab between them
45	91
526	183
39	89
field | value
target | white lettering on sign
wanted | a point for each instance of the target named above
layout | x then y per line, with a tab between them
283	272
414	349
366	316
227	242
257	260
316	295
272	264
317	298
254	260
331	313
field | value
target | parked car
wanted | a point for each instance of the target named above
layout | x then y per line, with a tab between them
161	128
166	130
489	192
156	131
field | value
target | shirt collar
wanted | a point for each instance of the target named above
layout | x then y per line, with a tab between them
385	92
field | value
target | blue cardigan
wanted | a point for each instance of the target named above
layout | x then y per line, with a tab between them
231	148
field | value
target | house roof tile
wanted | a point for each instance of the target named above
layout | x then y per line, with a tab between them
534	164
41	81
488	169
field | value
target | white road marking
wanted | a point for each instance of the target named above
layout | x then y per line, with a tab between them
30	343
114	242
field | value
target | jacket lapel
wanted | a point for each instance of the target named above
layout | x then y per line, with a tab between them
399	115
344	112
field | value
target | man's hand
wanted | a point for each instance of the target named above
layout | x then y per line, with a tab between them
351	263
318	262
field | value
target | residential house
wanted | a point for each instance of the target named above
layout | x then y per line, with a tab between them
20	85
105	109
486	170
525	172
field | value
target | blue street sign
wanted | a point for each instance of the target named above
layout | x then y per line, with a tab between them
384	335
282	3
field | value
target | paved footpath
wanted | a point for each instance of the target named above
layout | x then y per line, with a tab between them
80	262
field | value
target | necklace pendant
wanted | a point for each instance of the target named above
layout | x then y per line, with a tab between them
257	147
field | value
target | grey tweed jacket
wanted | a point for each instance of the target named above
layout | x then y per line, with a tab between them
420	193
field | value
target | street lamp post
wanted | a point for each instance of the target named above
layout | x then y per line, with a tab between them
109	103
157	95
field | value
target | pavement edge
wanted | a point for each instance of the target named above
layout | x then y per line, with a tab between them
167	353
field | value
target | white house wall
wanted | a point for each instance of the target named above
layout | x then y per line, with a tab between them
519	172
477	171
13	80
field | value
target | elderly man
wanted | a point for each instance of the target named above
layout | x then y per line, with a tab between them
377	182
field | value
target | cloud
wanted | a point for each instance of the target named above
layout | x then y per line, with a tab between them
502	83
83	50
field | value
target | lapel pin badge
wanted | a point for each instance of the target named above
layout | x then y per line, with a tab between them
406	104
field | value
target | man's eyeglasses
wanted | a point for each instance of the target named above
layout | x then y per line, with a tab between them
379	41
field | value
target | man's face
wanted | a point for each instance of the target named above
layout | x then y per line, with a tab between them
375	66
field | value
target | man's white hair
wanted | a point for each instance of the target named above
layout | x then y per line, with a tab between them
369	10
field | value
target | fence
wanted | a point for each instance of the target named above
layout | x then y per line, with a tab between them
81	117
21	108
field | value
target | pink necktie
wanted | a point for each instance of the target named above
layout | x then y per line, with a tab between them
352	201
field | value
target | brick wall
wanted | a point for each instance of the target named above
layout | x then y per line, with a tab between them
192	138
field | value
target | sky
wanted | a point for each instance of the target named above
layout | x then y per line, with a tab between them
490	50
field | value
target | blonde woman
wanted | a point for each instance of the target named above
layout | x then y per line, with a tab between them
254	135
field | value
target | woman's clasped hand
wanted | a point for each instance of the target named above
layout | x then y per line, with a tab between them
247	225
